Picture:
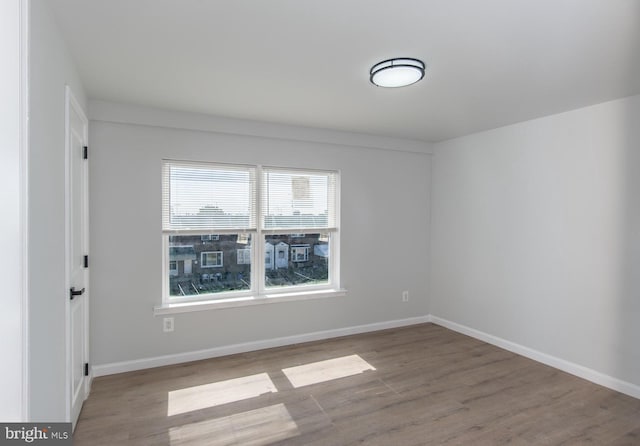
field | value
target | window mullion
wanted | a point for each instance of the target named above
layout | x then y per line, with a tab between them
258	252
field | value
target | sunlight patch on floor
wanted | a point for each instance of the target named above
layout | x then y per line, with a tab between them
218	393
257	427
321	371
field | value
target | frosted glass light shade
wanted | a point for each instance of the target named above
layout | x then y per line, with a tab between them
397	72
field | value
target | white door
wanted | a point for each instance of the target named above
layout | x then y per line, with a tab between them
77	264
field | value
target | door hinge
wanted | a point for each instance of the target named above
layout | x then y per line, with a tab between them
73	293
86	261
85	152
86	369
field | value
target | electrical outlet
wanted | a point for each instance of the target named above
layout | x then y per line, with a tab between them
167	324
405	296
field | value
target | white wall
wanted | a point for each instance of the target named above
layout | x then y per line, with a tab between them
51	69
385	220
536	235
12	180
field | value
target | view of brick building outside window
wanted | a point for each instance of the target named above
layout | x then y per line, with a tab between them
202	264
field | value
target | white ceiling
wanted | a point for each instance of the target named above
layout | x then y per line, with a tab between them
303	62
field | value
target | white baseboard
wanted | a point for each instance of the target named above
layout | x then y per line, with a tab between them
158	361
558	363
561	364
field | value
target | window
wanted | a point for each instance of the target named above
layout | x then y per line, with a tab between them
244	256
211	259
293	215
300	253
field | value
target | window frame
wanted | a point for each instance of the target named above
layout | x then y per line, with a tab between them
204	254
259	291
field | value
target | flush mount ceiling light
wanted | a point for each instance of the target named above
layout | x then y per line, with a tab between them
398	72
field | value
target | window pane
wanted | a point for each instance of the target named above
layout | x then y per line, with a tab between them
293	199
204	265
296	259
207	196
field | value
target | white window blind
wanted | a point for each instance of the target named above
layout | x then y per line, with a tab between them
293	199
210	197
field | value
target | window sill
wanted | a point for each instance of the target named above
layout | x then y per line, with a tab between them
245	301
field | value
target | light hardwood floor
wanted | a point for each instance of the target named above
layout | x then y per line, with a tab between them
419	385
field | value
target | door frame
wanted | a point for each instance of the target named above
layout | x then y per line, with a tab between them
72	103
14	139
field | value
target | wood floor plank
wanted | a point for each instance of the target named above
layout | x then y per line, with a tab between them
419	385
